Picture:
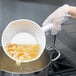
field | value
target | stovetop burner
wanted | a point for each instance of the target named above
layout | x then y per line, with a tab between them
61	67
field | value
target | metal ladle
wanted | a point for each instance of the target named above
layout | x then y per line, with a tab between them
54	41
54	48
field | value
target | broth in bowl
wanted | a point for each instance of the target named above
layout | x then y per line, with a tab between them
22	52
22	47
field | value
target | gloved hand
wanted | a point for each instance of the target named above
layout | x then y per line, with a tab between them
57	18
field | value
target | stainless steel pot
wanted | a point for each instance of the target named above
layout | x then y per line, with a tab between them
39	67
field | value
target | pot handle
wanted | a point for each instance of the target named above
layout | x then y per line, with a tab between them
47	27
51	49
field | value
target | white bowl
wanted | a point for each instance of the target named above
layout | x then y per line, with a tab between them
24	25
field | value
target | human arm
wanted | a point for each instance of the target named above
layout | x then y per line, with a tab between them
58	16
72	12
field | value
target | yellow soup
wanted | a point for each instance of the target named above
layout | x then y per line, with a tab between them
23	52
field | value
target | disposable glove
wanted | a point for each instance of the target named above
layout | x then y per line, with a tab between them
57	17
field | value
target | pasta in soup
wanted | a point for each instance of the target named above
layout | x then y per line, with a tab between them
23	52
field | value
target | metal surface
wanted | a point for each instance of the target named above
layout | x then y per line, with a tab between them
69	54
67	39
54	41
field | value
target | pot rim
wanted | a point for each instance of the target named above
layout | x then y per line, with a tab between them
33	71
48	49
